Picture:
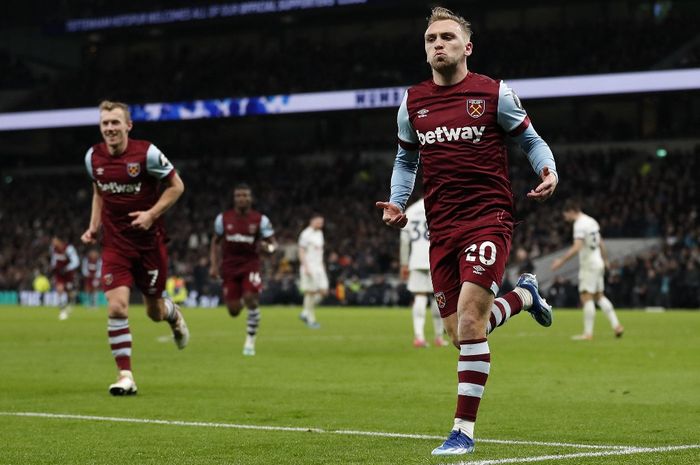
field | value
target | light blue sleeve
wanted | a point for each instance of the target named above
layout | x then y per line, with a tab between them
406	131
88	162
511	113
537	150
73	257
403	177
513	118
219	225
157	164
266	227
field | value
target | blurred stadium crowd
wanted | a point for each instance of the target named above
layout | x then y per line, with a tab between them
631	194
339	164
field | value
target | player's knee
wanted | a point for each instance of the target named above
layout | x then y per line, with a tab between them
117	308
250	301
234	308
155	313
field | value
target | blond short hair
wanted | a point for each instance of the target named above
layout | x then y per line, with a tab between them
441	14
107	105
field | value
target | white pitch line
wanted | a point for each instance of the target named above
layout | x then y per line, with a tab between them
543	458
493	441
296	429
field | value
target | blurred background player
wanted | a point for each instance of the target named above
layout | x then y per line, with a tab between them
457	123
64	262
312	271
242	231
415	266
593	261
91	270
128	205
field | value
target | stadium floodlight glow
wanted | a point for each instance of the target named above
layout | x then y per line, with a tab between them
49	119
385	97
605	84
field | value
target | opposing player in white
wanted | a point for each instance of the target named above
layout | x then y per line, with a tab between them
590	248
313	278
415	265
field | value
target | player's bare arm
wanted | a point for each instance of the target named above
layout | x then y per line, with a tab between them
392	215
546	188
604	254
214	257
269	244
90	234
302	261
144	219
573	250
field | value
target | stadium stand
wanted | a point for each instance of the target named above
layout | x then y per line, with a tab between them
633	195
189	61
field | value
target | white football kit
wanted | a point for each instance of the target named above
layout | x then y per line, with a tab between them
415	237
315	278
591	264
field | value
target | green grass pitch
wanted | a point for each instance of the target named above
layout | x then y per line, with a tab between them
631	401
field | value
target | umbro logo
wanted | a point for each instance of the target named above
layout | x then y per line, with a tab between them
100	171
422	113
478	269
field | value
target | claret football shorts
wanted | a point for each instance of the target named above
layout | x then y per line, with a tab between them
480	258
147	269
244	280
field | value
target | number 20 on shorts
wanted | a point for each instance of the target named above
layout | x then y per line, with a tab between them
487	253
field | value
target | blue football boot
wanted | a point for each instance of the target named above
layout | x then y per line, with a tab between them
540	310
457	443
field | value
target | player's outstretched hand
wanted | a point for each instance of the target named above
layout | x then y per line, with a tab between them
392	215
214	272
546	187
556	264
142	220
268	247
89	236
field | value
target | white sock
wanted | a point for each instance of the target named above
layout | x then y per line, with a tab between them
607	307
419	303
309	308
170	311
525	297
253	322
438	326
588	317
465	426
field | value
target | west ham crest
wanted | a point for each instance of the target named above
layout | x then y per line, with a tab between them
440	299
134	169
108	279
476	107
